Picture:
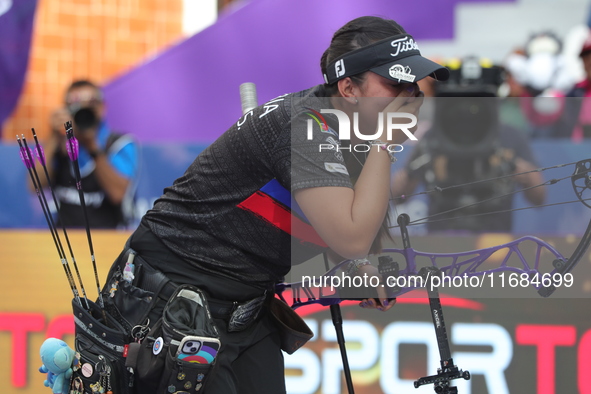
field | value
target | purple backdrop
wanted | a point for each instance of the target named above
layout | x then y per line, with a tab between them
16	26
190	92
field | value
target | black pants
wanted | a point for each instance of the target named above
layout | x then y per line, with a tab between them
249	361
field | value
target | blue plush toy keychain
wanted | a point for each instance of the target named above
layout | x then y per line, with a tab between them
58	362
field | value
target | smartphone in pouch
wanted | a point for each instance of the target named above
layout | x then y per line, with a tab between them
200	350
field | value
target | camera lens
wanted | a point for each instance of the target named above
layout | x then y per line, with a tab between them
467	121
85	118
191	347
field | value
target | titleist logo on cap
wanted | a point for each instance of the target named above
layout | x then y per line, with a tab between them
403	45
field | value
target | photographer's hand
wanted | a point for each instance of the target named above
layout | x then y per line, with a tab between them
88	139
57	120
55	141
111	181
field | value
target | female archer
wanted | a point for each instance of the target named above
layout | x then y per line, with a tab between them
264	196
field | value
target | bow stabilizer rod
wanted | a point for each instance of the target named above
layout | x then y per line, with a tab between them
448	371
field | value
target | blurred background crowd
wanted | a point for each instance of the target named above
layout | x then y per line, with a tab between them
165	77
149	84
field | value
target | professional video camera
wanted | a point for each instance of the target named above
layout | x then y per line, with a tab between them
466	109
464	146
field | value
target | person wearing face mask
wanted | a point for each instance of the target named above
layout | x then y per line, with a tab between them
108	162
575	119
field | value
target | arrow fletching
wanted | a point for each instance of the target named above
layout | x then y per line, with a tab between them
24	155
40	153
72	145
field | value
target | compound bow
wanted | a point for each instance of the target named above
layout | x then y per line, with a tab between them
463	264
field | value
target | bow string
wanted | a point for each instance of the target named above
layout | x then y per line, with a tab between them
469	263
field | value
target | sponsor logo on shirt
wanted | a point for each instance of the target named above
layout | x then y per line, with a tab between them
336	167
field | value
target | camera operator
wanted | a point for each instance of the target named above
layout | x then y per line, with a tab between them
108	162
466	143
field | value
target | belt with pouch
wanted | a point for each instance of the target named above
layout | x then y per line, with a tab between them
238	314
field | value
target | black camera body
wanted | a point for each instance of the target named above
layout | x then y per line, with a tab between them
466	120
85	118
465	147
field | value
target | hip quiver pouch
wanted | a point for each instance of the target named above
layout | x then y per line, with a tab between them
179	352
293	329
101	345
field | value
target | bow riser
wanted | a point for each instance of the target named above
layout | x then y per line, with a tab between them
464	264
